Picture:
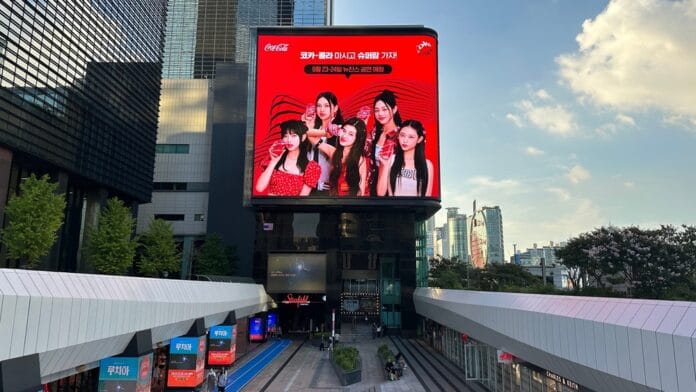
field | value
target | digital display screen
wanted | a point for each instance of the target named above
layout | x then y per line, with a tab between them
257	330
186	362
222	345
296	273
341	114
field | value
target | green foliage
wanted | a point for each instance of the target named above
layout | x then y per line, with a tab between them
346	357
644	263
386	354
33	219
159	253
448	273
499	277
109	247
214	258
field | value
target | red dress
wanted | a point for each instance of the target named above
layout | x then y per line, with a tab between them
286	184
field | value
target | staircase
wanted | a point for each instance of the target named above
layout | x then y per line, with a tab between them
360	333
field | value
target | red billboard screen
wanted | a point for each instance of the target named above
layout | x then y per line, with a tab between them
346	114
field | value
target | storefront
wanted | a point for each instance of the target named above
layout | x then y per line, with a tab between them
360	267
498	370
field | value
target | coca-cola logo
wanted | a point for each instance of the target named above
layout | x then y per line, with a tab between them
276	47
424	48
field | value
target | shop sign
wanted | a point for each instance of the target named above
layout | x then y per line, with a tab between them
570	384
186	362
299	300
505	357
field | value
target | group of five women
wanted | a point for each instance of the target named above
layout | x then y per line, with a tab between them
323	154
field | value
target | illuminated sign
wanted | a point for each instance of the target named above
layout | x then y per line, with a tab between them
346	114
256	329
296	273
505	357
299	300
186	362
222	345
125	374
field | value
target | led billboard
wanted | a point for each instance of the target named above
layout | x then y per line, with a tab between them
349	114
222	345
296	273
186	361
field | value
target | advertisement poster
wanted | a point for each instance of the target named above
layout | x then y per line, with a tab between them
341	114
256	329
125	374
222	345
296	273
186	362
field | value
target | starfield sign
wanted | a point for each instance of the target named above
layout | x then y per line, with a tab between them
222	345
346	114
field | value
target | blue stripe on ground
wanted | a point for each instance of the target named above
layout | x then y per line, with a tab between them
241	377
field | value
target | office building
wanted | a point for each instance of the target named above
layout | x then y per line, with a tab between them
191	186
457	235
430	239
487	236
79	94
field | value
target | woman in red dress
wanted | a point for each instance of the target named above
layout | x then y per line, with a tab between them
348	176
289	172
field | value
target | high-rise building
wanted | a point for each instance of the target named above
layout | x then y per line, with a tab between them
430	238
487	236
457	236
190	191
79	89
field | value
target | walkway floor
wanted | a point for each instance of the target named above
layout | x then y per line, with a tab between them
310	370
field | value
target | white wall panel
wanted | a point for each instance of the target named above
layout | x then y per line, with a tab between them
641	345
71	320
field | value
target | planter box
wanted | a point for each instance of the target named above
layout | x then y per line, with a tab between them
347	378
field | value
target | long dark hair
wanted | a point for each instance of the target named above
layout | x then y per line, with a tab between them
418	159
298	128
333	101
352	161
389	99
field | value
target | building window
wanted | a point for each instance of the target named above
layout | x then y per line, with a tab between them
170	217
172	149
169	186
199	217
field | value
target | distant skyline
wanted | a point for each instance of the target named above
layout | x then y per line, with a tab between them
569	115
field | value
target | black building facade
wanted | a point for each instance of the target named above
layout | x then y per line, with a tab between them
79	95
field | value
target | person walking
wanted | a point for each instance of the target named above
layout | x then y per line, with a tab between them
222	381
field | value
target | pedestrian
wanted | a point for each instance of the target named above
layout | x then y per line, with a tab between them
321	344
222	381
211	380
374	330
379	331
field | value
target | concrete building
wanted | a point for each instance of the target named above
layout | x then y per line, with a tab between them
192	189
79	89
486	230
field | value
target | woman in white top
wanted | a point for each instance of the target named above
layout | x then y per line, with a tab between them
407	172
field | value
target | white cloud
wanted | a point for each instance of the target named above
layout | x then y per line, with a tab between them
629	184
543	94
487	182
560	192
533	151
577	174
625	120
582	217
515	119
554	119
607	130
635	55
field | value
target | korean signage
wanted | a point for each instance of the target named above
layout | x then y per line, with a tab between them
222	345
125	374
343	114
186	362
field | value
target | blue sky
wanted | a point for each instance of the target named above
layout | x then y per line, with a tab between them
569	115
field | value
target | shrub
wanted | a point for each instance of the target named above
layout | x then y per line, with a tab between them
385	353
346	357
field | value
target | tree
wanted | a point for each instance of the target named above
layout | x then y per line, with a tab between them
33	219
214	258
110	247
159	253
448	273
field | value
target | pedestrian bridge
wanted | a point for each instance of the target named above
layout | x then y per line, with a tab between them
606	344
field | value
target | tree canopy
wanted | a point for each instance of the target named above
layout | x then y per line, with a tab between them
159	253
33	219
110	248
643	263
214	258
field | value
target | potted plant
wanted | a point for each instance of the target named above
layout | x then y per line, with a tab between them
385	355
346	363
